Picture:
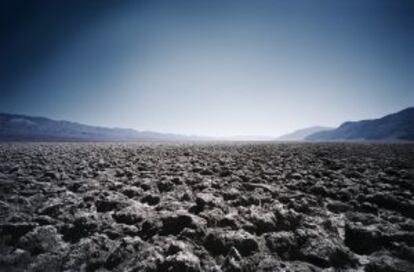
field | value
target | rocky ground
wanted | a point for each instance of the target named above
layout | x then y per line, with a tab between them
206	207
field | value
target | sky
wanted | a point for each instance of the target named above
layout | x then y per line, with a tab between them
213	68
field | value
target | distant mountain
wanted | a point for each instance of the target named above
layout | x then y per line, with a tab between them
301	134
396	126
22	127
247	138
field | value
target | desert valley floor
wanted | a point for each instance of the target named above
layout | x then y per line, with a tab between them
206	207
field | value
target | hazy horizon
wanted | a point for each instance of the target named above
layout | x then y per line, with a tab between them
209	68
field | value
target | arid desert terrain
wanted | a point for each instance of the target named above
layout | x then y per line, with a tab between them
206	207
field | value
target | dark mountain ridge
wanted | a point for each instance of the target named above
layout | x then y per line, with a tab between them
395	126
23	127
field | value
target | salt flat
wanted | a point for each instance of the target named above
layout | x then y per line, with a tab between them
206	207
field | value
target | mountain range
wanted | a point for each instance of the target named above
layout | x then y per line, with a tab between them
396	126
301	134
22	127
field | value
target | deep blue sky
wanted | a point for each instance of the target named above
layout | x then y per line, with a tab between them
214	68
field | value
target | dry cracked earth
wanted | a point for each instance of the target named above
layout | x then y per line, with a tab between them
206	207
